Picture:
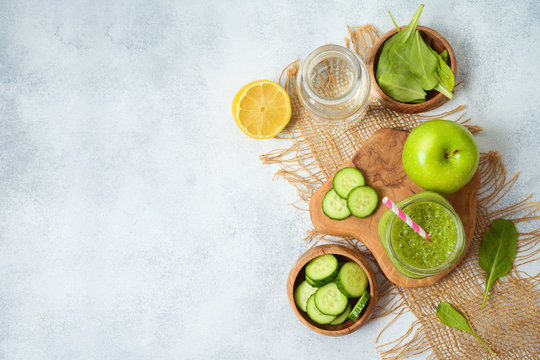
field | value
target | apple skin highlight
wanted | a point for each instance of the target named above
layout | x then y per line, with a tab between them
441	156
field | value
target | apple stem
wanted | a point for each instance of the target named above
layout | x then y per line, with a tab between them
452	153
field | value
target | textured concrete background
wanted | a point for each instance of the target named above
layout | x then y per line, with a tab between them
136	220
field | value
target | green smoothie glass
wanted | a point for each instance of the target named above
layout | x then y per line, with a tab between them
412	255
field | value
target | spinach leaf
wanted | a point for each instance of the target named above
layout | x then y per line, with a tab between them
402	87
440	87
446	79
394	21
444	56
399	58
422	62
446	75
451	317
384	66
406	56
409	30
497	251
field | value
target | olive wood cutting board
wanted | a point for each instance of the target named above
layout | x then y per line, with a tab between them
379	160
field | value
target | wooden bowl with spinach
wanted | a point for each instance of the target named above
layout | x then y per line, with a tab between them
412	70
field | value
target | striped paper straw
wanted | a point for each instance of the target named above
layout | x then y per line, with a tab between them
396	210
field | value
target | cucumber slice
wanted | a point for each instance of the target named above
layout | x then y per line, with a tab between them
302	294
340	319
362	201
347	179
311	282
329	300
360	305
319	283
334	206
352	280
322	270
314	313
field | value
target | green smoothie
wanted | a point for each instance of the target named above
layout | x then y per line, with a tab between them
412	255
410	247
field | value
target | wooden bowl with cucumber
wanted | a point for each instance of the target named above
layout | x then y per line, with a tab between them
433	98
332	290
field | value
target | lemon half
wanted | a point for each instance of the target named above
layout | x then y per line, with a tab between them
261	109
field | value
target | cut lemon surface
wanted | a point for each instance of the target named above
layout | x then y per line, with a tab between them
261	109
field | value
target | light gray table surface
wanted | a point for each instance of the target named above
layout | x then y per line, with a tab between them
137	221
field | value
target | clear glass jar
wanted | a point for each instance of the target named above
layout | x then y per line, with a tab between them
404	265
333	85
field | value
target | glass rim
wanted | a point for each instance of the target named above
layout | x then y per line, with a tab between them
360	81
320	54
458	248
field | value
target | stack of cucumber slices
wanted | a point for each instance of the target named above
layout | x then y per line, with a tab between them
328	290
349	196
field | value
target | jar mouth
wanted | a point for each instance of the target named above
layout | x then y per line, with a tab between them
453	257
321	54
347	81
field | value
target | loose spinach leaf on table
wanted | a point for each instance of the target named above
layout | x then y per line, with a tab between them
497	251
422	62
402	87
451	317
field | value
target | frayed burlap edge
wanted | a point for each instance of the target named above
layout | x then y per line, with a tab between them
305	167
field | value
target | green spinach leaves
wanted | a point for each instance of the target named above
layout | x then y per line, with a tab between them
497	251
444	55
384	66
423	63
407	65
402	87
451	317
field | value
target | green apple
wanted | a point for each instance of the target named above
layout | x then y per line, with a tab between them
440	155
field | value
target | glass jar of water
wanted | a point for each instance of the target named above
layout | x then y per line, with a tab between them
333	85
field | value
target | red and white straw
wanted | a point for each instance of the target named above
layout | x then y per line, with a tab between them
396	210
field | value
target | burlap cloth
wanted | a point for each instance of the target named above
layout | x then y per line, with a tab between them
510	321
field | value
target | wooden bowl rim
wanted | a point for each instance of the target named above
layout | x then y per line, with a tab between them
351	255
430	104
